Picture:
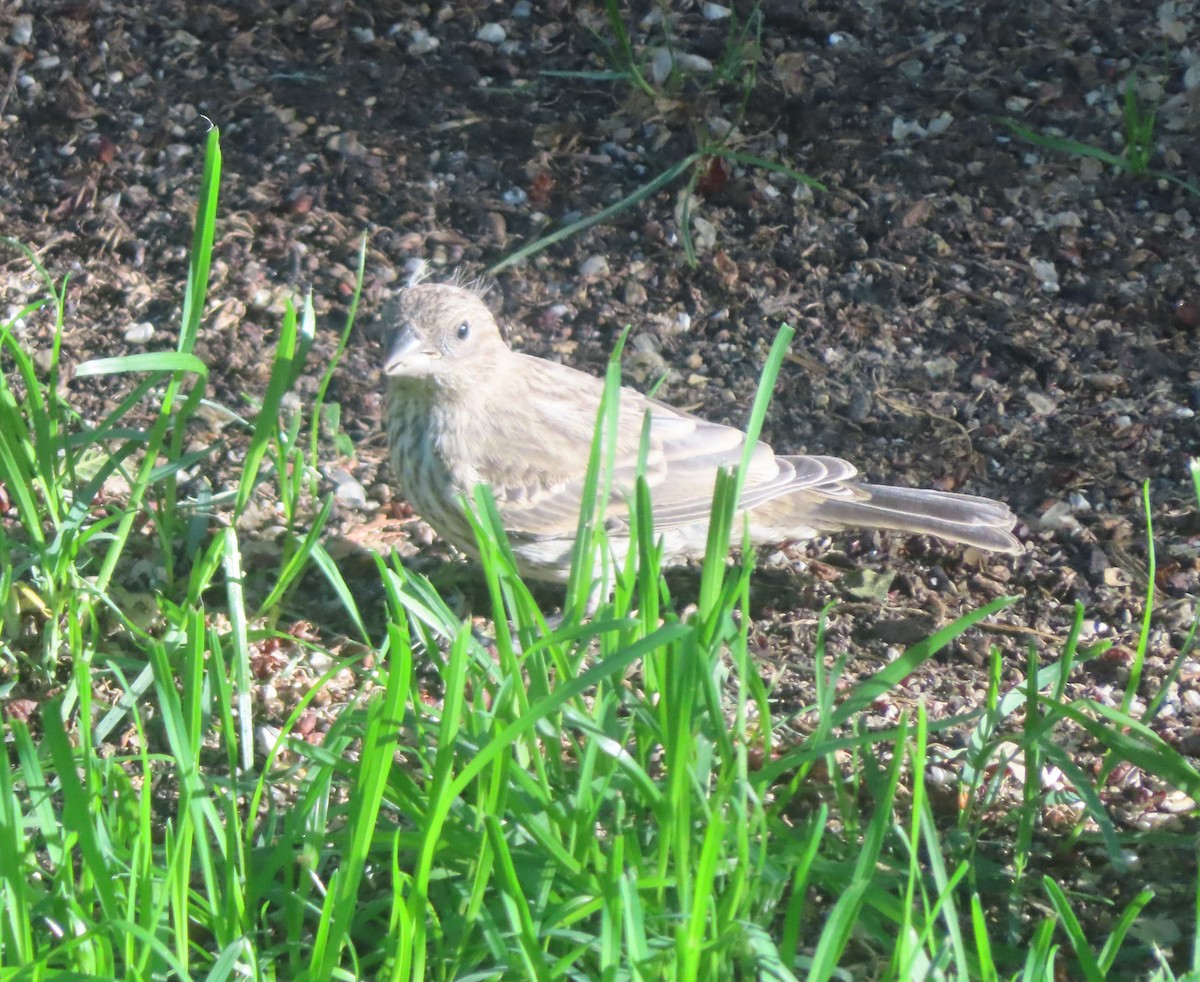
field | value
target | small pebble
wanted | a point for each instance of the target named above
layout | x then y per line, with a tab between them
491	34
140	333
351	494
266	735
1078	501
940	123
422	43
1045	273
941	367
693	63
902	129
22	29
634	294
661	64
594	266
1058	516
1040	404
1064	219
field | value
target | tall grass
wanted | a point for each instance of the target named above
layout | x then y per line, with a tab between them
608	796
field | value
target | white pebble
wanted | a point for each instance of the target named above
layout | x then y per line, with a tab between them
661	64
491	34
1041	404
902	129
693	63
1058	516
940	123
422	43
351	494
594	266
941	367
1045	273
1064	219
22	29
266	736
140	333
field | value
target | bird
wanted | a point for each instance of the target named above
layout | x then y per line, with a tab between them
464	408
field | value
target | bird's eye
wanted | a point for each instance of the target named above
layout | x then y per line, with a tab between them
464	329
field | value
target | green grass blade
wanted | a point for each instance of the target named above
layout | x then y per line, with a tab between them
651	187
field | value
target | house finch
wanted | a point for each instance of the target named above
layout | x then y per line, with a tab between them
464	408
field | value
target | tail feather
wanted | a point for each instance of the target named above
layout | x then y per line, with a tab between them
966	518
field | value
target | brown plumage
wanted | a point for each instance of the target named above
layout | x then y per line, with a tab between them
464	408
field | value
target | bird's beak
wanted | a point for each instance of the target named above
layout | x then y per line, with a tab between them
411	354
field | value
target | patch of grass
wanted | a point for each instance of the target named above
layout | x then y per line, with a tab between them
612	796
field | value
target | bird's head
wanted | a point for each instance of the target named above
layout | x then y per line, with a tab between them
438	329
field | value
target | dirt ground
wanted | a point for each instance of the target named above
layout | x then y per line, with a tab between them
973	312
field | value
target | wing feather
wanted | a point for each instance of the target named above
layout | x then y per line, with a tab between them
537	479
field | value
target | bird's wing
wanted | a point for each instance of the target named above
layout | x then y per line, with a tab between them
541	450
694	449
534	445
